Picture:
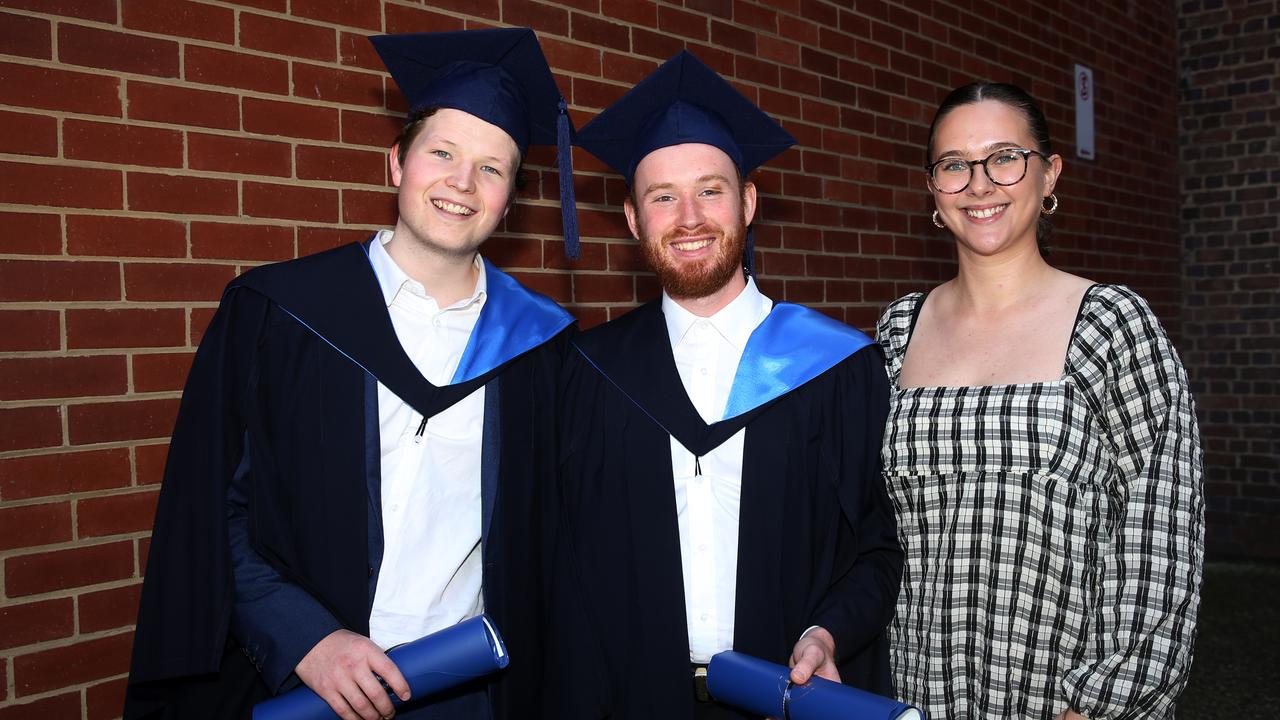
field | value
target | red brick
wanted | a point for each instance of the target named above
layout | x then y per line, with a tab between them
287	37
52	280
60	377
29	330
200	318
175	282
225	153
572	57
22	478
239	241
149	461
542	17
118	421
314	240
596	31
557	286
72	665
25	36
401	19
603	288
655	44
100	10
111	236
355	50
160	372
183	106
23	134
125	328
31	233
30	427
49	89
110	50
629	11
28	526
104	700
182	194
272	117
214	66
35	622
279	6
366	207
60	185
114	515
342	165
361	128
350	87
58	706
180	18
674	21
355	13
508	252
123	144
69	568
290	202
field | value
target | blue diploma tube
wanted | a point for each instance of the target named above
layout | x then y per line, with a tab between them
436	662
765	689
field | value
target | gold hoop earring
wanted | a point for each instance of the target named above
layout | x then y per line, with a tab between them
937	221
1052	208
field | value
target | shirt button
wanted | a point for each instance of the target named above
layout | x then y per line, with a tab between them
697	479
395	507
705	617
703	371
702	548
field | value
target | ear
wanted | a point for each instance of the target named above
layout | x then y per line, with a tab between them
748	202
393	161
629	209
1052	170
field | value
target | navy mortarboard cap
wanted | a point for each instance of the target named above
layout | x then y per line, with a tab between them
683	101
498	75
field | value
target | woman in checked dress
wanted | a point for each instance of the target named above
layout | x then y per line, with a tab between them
1042	455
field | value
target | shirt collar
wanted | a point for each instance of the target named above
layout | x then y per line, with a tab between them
392	280
735	322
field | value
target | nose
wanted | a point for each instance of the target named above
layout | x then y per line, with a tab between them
689	214
463	177
979	182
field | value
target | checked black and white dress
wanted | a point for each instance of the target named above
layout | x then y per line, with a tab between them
1053	531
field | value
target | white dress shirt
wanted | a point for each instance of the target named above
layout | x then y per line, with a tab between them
707	351
431	565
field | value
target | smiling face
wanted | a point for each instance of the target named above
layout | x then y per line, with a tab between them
455	182
989	219
690	215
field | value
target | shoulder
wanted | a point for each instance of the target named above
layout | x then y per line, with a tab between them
307	269
639	322
1118	313
898	313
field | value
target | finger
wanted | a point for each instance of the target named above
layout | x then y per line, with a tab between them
359	701
373	690
390	674
338	703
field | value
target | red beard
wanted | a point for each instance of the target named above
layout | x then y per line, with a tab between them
684	279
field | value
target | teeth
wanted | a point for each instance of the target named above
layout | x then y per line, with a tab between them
986	213
452	207
691	245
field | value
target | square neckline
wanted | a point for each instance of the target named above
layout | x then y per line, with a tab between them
1061	380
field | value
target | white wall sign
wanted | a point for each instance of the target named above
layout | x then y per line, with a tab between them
1084	111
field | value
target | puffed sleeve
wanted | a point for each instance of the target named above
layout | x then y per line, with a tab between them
1139	653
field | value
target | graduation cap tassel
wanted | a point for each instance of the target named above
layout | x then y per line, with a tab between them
568	204
749	254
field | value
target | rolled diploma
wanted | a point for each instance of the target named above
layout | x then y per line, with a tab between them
764	688
471	649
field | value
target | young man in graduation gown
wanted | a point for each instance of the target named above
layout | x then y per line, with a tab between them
365	444
721	453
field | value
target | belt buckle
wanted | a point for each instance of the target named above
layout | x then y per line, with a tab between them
700	692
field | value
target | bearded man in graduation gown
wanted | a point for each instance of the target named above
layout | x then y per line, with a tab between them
364	446
721	453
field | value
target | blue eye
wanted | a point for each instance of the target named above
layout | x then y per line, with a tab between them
953	165
491	170
1004	158
442	154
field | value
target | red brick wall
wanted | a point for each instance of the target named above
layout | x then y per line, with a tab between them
1230	164
152	149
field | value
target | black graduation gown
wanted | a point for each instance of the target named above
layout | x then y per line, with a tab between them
287	369
817	542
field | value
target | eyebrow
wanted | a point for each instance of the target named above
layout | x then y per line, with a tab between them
704	179
985	150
